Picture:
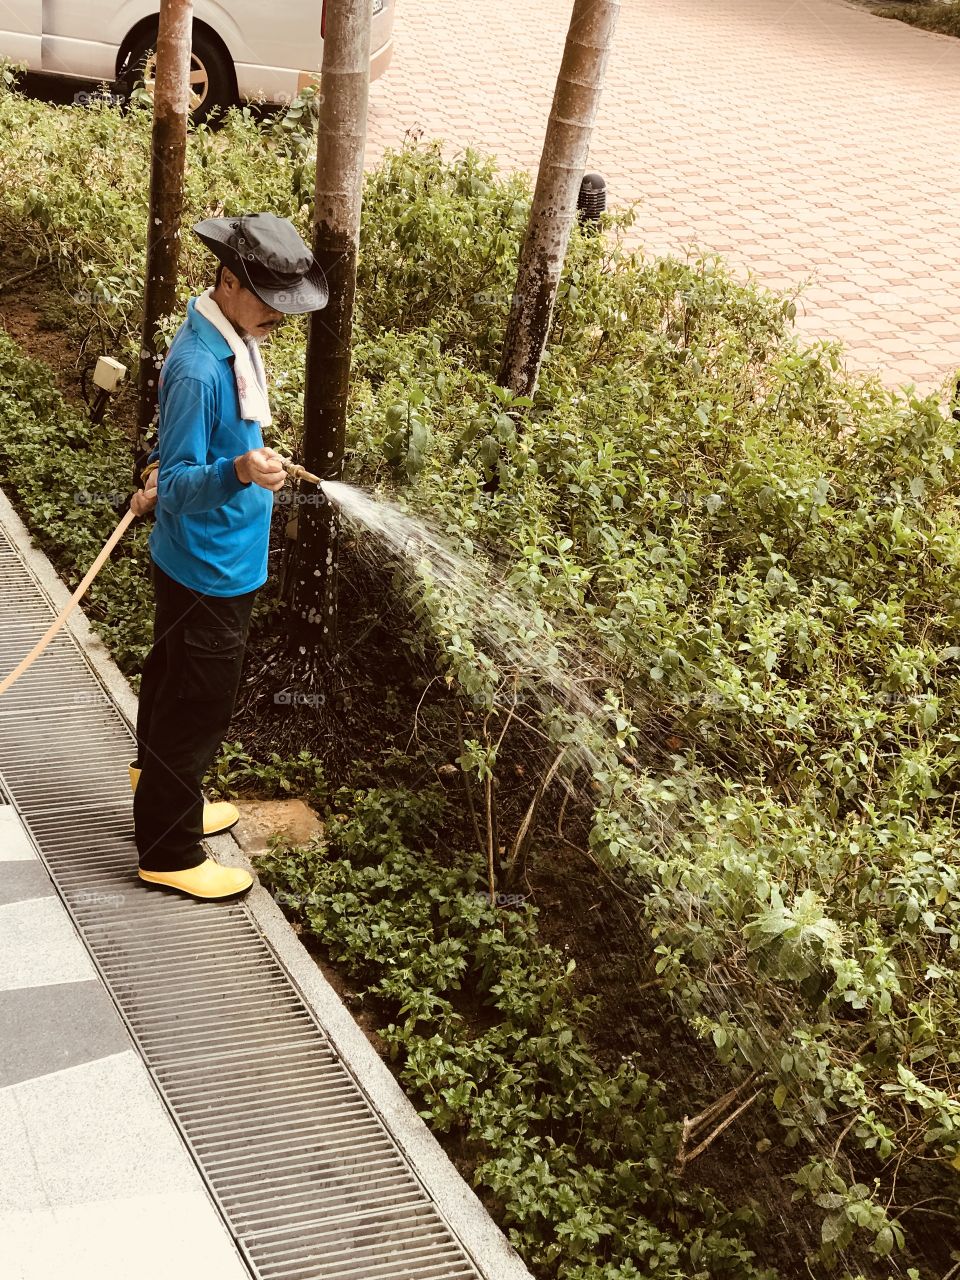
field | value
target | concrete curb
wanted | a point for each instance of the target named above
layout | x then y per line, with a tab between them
489	1248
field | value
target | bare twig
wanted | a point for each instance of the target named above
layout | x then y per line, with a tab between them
692	1124
492	839
506	724
839	1142
468	791
25	275
937	1213
488	795
413	732
684	1158
623	892
563	809
521	841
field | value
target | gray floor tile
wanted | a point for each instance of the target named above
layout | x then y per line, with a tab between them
93	1132
45	1029
22	880
39	945
159	1237
15	844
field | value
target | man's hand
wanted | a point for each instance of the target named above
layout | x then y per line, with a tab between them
145	499
262	467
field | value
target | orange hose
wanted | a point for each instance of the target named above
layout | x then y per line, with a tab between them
71	604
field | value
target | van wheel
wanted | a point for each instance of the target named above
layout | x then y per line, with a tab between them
211	74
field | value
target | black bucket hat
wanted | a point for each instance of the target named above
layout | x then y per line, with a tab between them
268	254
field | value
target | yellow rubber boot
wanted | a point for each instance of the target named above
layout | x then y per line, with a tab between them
218	815
209	881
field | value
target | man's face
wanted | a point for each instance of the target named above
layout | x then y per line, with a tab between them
249	316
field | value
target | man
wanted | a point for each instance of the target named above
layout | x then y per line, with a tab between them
212	487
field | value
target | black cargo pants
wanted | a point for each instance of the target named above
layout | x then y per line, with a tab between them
187	693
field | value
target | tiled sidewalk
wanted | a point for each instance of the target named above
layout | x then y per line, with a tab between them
802	139
95	1182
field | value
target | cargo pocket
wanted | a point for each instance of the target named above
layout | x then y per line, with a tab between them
212	658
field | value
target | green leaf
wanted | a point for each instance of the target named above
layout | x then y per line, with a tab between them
883	1244
489	452
833	1227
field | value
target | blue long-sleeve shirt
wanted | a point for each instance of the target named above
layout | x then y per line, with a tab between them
212	532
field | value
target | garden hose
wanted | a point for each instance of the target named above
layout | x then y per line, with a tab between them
296	472
293	469
68	608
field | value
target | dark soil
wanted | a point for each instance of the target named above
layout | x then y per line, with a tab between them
37	328
41	318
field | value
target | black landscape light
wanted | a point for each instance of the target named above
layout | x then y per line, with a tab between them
592	200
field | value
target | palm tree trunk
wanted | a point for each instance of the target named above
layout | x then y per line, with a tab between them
171	106
562	165
341	133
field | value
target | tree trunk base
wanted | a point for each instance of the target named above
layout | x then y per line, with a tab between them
287	704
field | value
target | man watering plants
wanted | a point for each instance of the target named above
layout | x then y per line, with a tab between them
211	481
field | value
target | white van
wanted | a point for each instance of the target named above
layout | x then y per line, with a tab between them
248	50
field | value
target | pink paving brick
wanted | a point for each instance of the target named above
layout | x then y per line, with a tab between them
806	138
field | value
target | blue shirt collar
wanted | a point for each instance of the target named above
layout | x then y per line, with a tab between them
207	333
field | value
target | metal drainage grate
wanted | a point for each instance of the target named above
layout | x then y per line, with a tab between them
308	1179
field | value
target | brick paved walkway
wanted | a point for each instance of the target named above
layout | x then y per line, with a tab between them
802	139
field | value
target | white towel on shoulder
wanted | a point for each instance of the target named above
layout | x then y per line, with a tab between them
247	364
